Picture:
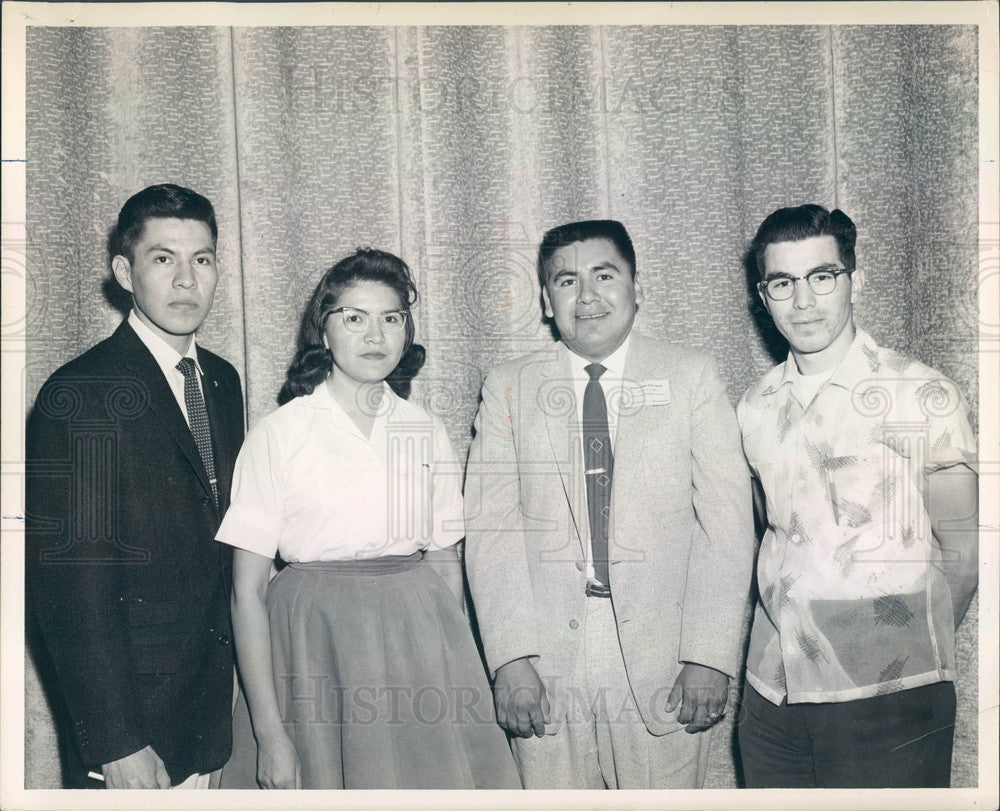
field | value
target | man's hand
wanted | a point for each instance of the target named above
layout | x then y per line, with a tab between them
522	707
700	693
277	763
142	769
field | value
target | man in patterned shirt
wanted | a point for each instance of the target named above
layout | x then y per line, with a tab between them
869	560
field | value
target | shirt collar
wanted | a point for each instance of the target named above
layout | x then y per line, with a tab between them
322	399
614	363
164	354
860	362
857	364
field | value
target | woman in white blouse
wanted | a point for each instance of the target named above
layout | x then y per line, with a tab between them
359	668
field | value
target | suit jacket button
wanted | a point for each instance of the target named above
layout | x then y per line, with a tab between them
574	624
224	640
579	565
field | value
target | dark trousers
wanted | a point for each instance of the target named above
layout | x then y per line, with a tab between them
899	740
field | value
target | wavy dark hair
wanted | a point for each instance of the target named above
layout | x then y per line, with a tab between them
563	235
313	362
162	201
802	222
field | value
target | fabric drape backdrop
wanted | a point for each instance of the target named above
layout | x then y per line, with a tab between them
456	147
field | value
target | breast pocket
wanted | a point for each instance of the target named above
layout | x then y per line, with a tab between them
866	479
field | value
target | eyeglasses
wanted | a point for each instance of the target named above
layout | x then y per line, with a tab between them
360	321
822	282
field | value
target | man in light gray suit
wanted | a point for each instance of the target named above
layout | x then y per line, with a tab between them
609	535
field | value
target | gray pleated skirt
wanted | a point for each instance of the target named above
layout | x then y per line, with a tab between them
379	682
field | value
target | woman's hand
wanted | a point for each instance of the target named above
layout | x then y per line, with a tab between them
277	763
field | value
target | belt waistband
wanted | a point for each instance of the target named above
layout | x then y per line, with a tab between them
597	590
388	564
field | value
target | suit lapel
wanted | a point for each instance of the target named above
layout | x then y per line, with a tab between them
644	417
631	436
161	399
557	398
215	405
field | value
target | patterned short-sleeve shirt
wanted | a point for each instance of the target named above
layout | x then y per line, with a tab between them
853	602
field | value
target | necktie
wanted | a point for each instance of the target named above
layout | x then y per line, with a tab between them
598	468
198	420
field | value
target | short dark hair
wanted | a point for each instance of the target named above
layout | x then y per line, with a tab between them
803	222
563	235
162	201
313	362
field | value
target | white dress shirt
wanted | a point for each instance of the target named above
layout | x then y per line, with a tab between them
612	382
311	487
167	358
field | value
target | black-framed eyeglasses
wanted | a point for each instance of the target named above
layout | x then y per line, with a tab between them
821	281
357	320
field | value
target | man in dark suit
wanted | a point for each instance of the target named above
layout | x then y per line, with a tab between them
130	451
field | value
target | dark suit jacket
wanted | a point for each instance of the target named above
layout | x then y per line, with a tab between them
130	589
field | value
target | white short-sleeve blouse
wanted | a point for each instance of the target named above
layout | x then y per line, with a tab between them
311	487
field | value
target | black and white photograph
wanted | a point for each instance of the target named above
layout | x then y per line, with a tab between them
515	404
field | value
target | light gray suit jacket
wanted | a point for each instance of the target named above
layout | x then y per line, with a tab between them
682	540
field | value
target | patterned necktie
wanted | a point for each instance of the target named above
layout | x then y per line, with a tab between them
198	420
599	469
